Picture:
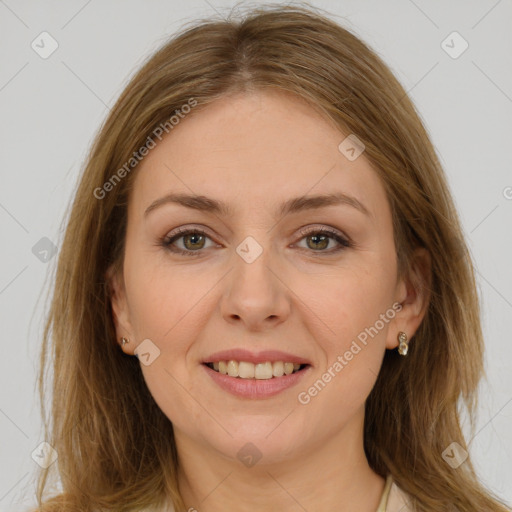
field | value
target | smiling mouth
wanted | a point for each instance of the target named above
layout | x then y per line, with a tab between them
260	371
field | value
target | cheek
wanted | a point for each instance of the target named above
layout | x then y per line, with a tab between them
355	309
170	310
161	296
353	347
348	303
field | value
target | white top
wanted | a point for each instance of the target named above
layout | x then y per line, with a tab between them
393	499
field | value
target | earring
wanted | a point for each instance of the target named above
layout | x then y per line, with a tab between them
124	341
404	346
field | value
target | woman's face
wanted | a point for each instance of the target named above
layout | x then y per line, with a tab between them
262	278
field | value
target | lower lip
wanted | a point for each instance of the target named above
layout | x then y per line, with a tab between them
255	388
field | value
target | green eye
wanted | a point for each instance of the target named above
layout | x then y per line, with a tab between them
321	237
194	240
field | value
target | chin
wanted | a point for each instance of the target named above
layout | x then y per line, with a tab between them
257	439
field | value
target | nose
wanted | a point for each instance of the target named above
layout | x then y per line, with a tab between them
255	295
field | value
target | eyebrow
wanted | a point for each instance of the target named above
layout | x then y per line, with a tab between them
294	205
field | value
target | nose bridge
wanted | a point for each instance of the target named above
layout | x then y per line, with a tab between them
254	292
252	262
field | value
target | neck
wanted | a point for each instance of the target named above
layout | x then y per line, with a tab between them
331	474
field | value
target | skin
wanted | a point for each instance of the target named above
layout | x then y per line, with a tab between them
255	151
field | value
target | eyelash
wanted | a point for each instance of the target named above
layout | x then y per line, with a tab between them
167	241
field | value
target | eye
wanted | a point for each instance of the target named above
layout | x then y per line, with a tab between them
318	239
193	241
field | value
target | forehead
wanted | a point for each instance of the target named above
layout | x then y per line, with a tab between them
248	148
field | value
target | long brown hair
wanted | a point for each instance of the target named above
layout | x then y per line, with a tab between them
116	449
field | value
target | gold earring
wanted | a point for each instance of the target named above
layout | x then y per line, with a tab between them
124	341
404	346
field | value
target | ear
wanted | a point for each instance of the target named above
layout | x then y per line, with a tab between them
120	310
413	293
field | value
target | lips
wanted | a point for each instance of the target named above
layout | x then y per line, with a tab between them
253	388
264	356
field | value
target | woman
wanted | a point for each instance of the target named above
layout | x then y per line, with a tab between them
264	300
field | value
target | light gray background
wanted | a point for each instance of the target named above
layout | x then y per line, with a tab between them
51	108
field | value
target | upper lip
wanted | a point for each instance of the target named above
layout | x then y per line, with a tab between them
239	354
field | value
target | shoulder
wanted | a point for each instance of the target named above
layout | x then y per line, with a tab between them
393	499
398	500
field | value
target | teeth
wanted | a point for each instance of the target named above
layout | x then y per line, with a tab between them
247	370
278	369
232	368
260	371
263	370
